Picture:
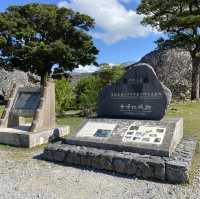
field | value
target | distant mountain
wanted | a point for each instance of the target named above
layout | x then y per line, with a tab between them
128	63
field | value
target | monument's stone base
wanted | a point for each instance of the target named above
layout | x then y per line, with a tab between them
24	138
147	137
174	169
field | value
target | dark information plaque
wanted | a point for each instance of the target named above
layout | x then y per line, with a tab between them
27	101
137	95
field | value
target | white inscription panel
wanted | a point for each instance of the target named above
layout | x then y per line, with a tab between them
90	128
145	134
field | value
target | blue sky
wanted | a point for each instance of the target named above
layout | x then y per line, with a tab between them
118	33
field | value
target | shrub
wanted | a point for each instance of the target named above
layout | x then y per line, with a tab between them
87	91
65	97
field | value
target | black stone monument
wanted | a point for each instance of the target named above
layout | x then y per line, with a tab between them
137	95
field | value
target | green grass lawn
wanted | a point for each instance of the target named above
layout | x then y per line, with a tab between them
190	112
73	121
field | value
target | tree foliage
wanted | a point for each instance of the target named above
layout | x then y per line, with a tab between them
65	97
87	91
180	20
88	88
34	37
110	74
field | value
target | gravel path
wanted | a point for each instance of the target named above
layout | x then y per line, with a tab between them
23	177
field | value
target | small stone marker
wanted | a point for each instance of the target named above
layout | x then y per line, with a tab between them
37	103
137	95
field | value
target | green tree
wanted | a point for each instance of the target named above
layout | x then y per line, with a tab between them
34	37
64	95
87	91
110	74
180	20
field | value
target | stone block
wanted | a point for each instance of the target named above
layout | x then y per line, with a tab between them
177	172
175	169
48	155
121	165
59	155
178	166
158	166
24	138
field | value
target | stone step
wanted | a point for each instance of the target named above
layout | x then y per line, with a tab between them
174	169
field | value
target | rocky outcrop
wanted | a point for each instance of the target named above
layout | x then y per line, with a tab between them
8	78
174	68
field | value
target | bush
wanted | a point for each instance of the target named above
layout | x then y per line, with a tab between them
65	97
85	94
88	88
87	91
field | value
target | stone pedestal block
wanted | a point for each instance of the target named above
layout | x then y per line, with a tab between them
175	169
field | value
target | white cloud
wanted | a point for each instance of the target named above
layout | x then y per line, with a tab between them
89	68
86	69
114	20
